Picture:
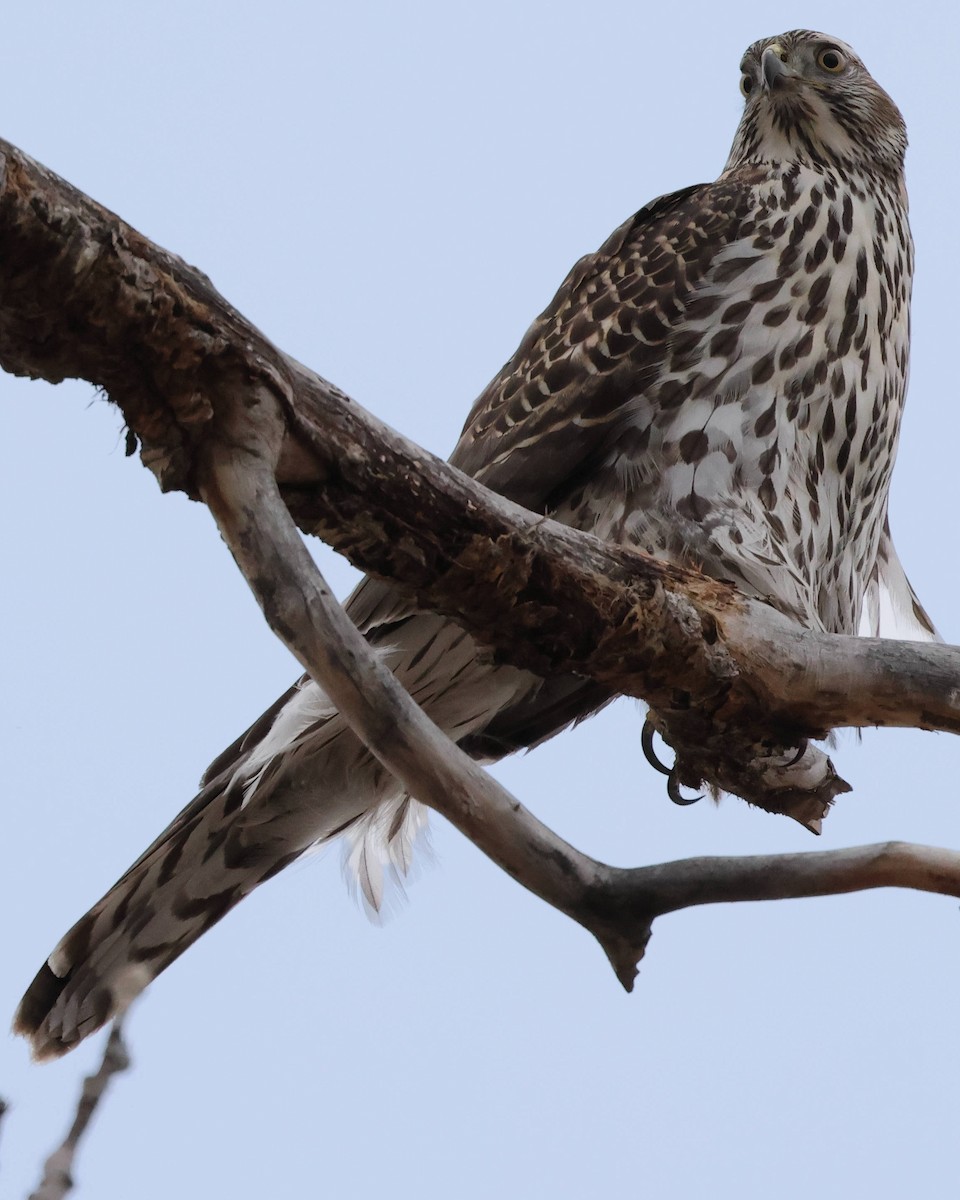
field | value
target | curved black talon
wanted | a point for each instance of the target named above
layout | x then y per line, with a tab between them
799	754
673	791
646	744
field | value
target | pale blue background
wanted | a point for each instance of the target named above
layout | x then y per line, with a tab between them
392	191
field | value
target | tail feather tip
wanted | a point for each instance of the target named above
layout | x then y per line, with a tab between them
40	1017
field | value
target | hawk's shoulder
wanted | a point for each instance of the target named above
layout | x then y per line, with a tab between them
602	335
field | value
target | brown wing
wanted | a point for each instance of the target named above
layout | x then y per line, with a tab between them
595	346
598	344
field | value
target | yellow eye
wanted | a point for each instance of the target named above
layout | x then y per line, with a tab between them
746	84
831	60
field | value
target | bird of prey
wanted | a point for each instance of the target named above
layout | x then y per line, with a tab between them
720	384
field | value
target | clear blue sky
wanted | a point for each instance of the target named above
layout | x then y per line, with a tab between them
392	192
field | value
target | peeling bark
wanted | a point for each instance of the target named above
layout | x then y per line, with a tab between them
224	416
618	906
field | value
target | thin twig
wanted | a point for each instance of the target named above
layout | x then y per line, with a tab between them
57	1179
4	1109
628	900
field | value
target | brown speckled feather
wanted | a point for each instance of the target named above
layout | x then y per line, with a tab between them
598	344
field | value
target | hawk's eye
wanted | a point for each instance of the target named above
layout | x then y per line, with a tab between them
831	60
746	84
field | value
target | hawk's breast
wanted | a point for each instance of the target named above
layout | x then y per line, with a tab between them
763	449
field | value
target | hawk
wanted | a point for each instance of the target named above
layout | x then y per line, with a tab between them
720	384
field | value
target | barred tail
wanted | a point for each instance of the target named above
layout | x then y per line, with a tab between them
191	877
297	777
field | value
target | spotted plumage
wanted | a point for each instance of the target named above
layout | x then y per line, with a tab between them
720	384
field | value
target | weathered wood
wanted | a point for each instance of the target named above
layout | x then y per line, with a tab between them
618	906
735	685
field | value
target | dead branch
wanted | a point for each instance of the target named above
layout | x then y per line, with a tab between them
57	1179
732	681
618	906
224	416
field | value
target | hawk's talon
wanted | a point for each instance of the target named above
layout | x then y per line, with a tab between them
646	744
799	754
673	778
673	791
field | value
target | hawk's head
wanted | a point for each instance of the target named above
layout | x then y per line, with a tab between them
810	99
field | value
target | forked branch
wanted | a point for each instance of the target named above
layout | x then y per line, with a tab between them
618	906
222	414
734	683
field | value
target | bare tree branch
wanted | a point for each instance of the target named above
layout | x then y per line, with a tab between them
617	905
222	415
630	899
57	1179
735	685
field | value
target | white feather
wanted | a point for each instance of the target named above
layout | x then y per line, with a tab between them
381	848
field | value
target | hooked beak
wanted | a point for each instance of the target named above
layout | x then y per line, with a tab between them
773	64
